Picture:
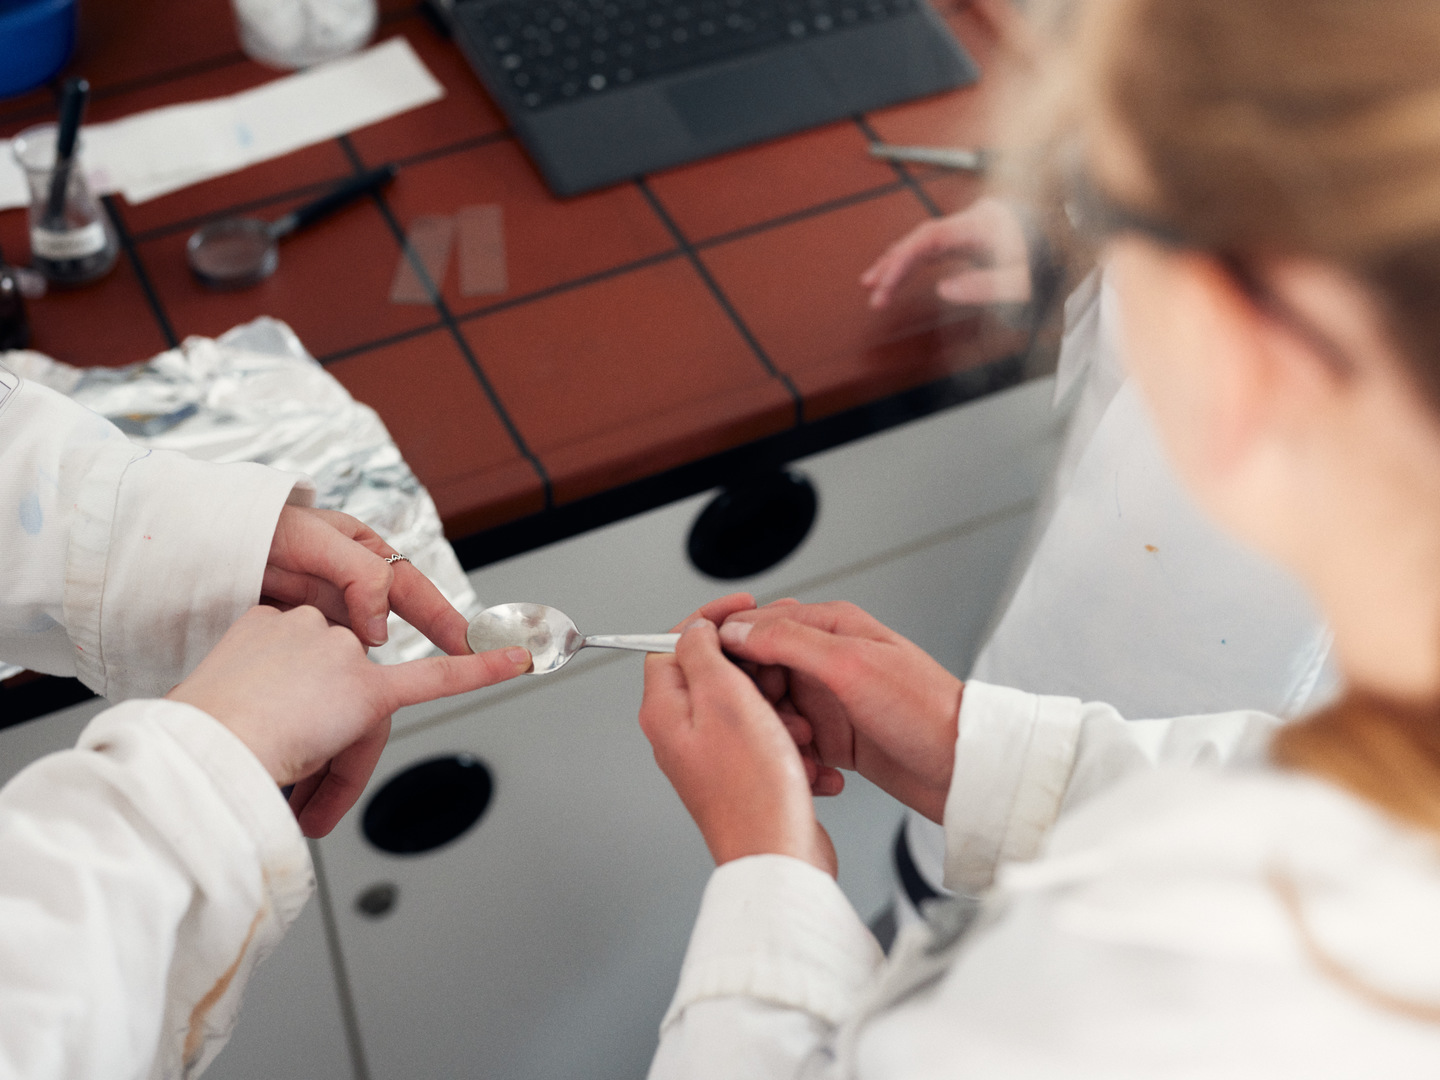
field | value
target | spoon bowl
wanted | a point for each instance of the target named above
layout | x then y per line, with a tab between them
550	636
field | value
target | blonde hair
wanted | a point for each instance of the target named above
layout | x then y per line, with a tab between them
1388	753
1279	127
1273	128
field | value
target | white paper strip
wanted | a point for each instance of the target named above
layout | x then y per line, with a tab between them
12	179
154	153
173	142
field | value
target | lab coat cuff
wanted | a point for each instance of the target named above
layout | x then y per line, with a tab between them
173	552
1013	760
88	554
248	793
220	816
775	929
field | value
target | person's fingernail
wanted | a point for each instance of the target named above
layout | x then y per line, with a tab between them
518	656
695	624
735	633
375	630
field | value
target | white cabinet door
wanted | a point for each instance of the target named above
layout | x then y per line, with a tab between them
545	942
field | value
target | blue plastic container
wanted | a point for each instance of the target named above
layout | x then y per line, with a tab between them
36	39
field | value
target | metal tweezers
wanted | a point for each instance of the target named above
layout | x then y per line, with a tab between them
939	156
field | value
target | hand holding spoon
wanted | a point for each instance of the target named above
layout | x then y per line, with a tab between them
550	635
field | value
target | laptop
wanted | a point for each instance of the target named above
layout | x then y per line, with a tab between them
599	91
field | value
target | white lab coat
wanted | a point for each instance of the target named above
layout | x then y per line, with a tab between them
1129	595
1136	928
144	873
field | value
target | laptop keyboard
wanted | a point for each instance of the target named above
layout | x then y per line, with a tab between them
559	50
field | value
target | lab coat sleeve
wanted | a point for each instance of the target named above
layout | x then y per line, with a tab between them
123	566
1021	760
142	876
777	960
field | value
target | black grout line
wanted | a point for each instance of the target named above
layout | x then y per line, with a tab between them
721	298
127	244
611	272
901	171
448	319
39	112
769	452
475	141
142	82
349	1017
598	276
390	18
800	215
506	305
379	343
568	286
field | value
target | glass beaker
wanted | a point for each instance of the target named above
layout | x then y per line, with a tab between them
71	240
14	324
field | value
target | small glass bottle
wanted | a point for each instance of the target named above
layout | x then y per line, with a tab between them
299	33
14	324
79	243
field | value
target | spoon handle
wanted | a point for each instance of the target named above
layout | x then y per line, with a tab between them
939	156
634	642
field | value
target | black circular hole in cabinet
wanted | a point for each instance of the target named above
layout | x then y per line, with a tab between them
378	900
752	525
427	805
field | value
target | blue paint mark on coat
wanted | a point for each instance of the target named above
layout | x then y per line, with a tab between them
31	516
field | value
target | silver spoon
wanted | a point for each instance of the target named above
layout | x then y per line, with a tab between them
942	157
550	635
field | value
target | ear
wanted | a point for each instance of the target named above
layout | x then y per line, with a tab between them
1313	330
1274	381
1271	368
1238	390
1194	344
